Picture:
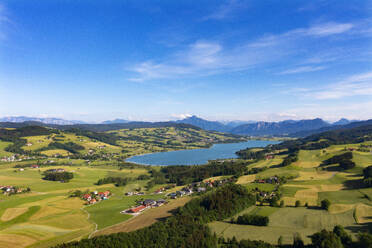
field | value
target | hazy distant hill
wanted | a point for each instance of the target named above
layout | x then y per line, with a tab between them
293	128
116	121
279	128
99	127
257	128
205	124
55	121
343	121
352	124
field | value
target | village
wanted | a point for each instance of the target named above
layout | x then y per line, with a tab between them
12	190
194	188
94	197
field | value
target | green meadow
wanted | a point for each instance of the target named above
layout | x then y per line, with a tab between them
351	204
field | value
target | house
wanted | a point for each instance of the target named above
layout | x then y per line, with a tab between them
129	193
92	201
188	191
269	156
181	193
21	169
35	166
137	209
29	144
173	195
104	195
60	170
160	202
87	197
201	189
149	202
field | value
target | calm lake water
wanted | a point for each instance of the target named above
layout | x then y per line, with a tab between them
197	156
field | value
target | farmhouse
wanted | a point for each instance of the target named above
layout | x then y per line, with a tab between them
87	197
149	202
137	209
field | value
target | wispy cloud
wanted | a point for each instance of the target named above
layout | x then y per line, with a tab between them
226	10
303	69
205	57
355	85
329	29
4	20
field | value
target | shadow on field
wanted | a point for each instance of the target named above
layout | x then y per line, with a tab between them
366	227
354	184
315	208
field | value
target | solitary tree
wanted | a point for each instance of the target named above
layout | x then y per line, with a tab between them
325	204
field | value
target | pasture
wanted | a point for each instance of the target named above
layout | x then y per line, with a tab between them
47	215
285	222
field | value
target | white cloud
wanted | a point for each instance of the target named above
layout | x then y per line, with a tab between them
211	57
181	116
329	29
333	112
355	85
303	69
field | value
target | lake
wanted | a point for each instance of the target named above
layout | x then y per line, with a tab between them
197	156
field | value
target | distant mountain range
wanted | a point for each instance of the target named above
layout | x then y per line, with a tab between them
55	121
293	128
116	121
261	128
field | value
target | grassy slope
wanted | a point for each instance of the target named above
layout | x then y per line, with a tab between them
51	215
311	185
134	142
3	145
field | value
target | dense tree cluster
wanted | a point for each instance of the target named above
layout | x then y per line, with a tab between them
118	181
344	161
290	158
234	243
367	173
253	155
103	137
51	175
325	204
182	175
68	146
251	219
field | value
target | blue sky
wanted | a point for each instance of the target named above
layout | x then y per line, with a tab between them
161	60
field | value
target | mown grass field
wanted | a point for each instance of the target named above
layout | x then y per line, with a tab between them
3	145
351	205
47	215
285	222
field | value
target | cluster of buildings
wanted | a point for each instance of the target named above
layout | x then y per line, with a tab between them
58	170
271	180
185	191
16	158
145	204
95	197
269	156
134	193
11	190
